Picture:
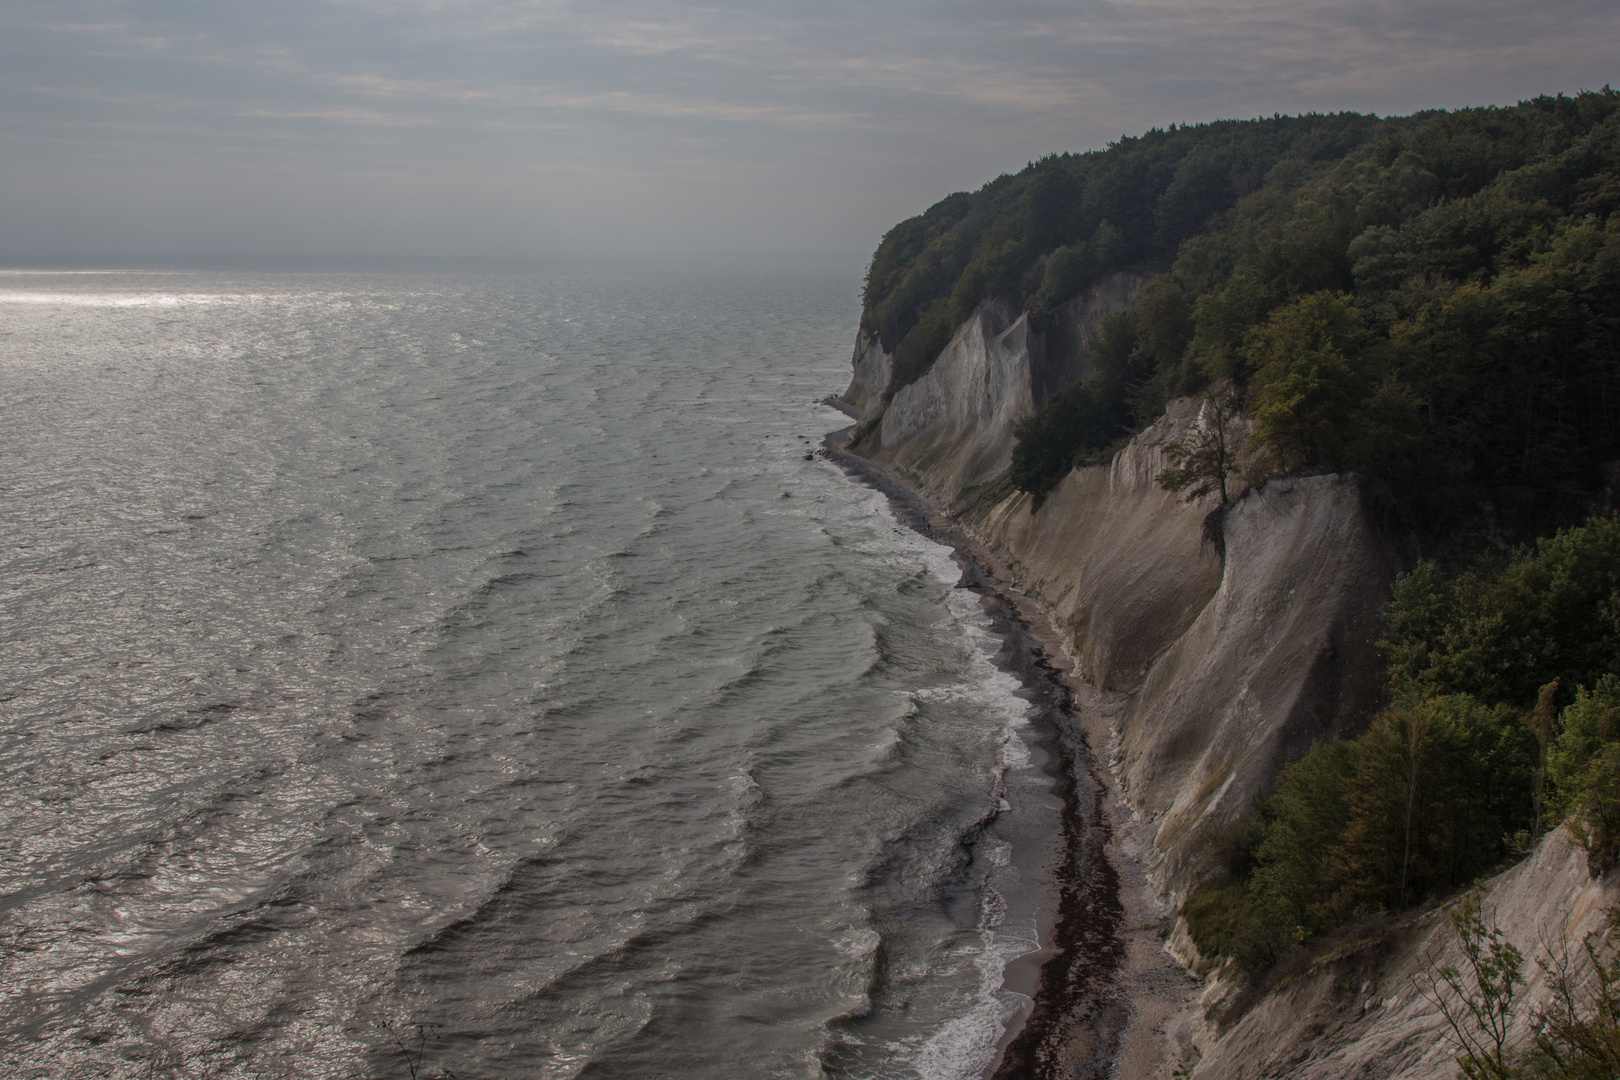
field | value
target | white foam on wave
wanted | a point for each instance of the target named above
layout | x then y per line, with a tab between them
965	1045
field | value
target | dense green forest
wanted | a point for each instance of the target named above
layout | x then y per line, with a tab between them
1431	301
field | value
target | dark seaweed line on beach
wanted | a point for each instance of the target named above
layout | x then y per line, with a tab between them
1078	1016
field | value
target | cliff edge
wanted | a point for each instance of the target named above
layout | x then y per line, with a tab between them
1216	669
1208	647
1209	667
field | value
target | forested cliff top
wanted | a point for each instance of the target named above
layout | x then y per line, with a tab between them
1430	301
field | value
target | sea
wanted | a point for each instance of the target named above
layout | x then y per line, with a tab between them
479	673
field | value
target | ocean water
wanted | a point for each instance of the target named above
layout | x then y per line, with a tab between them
478	674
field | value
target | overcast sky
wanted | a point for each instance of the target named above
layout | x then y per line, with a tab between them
518	128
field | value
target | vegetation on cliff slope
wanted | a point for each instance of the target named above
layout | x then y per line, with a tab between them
1430	301
1043	235
1576	1035
1505	684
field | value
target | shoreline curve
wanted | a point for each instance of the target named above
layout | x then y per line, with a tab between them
1082	1017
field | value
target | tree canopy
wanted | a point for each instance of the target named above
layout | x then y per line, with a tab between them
1431	301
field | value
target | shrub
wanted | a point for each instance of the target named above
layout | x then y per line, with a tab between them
1205	460
1504	630
1436	786
1421	803
1308	378
1063	277
1584	767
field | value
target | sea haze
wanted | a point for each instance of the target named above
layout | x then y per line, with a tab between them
475	672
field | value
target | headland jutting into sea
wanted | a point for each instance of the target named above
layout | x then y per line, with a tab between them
1285	448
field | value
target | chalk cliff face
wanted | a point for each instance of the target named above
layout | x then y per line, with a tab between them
1221	671
1217	668
872	371
953	428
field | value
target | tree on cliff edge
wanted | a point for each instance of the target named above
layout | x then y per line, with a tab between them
1204	460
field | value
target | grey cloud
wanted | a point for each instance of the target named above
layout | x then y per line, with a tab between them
628	122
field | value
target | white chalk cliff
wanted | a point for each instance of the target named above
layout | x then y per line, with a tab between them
1215	670
953	428
1223	669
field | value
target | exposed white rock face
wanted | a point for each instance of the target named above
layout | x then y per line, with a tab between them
1217	671
1118	561
873	367
1367	1014
1282	657
953	427
1224	670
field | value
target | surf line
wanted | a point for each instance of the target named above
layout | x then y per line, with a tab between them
1079	1011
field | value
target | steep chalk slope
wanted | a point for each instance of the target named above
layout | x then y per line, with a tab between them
1372	1014
1215	667
873	367
953	427
1220	669
1223	670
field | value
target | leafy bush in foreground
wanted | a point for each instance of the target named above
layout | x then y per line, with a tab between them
1577	1036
